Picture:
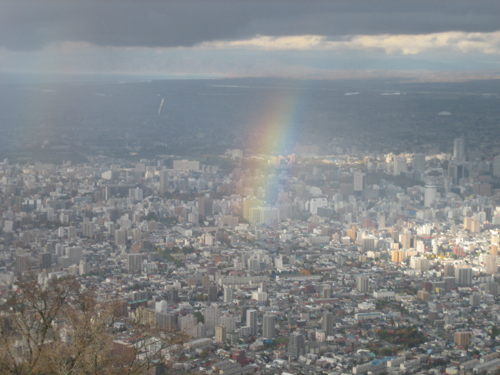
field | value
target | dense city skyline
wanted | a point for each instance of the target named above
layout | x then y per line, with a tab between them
249	187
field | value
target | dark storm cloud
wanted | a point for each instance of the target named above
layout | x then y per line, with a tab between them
26	25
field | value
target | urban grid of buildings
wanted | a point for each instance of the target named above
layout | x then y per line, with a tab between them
353	263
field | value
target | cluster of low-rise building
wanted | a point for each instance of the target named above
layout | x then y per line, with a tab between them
363	264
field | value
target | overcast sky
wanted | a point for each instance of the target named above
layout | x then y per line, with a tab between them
250	38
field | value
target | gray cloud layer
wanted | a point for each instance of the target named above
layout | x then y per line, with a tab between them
29	25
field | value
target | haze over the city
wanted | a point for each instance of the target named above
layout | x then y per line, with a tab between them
249	187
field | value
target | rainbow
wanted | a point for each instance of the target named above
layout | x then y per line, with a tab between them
273	132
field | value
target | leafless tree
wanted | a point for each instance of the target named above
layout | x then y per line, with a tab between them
58	327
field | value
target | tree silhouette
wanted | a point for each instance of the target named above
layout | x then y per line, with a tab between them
58	327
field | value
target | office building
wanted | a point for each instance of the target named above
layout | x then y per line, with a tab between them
165	321
75	254
496	166
243	314
161	306
173	296
459	149
212	316
359	181
475	299
229	322
220	334
462	339
22	264
448	270
252	321
423	295
134	263
163	181
205	281
420	264
327	325
400	165
430	195
88	229
463	276
268	324
248	205
326	292
362	284
136	194
199	331
136	236
187	324
121	237
492	288
84	267
205	207
213	294
228	295
263	287
71	232
405	240
397	256
296	346
491	264
418	163
45	260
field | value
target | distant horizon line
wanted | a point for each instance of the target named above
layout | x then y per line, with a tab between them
340	75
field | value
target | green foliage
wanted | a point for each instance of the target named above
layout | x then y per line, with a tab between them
167	254
494	332
199	316
151	216
407	336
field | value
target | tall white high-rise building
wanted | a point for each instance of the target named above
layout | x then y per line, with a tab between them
229	322
400	165
199	331
75	254
188	323
71	232
228	295
161	306
430	195
362	284
84	267
359	181
316	203
212	316
88	229
459	149
252	321
418	163
136	194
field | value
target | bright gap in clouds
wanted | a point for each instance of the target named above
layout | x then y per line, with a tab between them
405	44
302	56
